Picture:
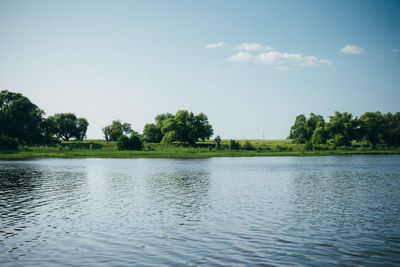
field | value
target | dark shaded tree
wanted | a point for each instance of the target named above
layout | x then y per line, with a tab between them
19	117
134	142
217	142
68	126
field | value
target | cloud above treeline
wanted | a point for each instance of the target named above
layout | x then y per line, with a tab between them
215	45
253	47
268	55
276	58
352	49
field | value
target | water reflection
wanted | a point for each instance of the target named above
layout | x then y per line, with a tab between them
222	211
182	192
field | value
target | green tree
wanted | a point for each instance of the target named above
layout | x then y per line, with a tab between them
81	128
136	141
152	133
217	142
186	127
234	145
298	132
49	130
123	142
311	125
116	129
8	143
130	143
159	119
19	117
68	126
391	129
343	124
169	137
247	146
372	124
320	135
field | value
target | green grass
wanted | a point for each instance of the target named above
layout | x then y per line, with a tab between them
103	149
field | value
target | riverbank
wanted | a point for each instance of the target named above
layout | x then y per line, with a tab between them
259	148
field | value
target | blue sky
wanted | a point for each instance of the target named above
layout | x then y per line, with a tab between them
251	66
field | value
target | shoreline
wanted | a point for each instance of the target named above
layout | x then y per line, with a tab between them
186	155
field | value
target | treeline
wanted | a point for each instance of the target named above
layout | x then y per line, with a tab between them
372	129
184	127
22	122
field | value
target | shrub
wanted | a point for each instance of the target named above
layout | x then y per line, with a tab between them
248	146
136	142
7	142
123	142
308	146
234	145
331	144
132	143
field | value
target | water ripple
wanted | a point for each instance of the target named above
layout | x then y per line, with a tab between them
224	211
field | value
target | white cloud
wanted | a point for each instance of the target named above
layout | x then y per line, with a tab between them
352	49
253	47
394	50
215	45
241	56
281	60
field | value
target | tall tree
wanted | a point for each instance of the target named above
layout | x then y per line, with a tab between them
116	129
372	124
343	124
298	132
68	126
152	134
19	117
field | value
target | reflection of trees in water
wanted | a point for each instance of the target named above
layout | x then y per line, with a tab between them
182	192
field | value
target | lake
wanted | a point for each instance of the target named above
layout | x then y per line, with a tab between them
220	211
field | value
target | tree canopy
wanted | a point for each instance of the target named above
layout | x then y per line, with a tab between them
19	117
184	126
342	129
116	129
67	125
23	120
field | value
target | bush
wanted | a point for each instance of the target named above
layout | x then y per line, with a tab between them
308	146
248	146
234	145
331	144
132	143
123	142
136	142
7	142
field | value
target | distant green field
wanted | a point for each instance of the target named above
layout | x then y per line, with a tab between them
103	149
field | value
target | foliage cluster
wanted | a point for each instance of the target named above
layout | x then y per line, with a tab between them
8	143
22	120
130	143
372	129
116	129
184	126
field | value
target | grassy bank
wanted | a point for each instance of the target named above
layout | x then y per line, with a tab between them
103	149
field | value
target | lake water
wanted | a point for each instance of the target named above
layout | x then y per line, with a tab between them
219	211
